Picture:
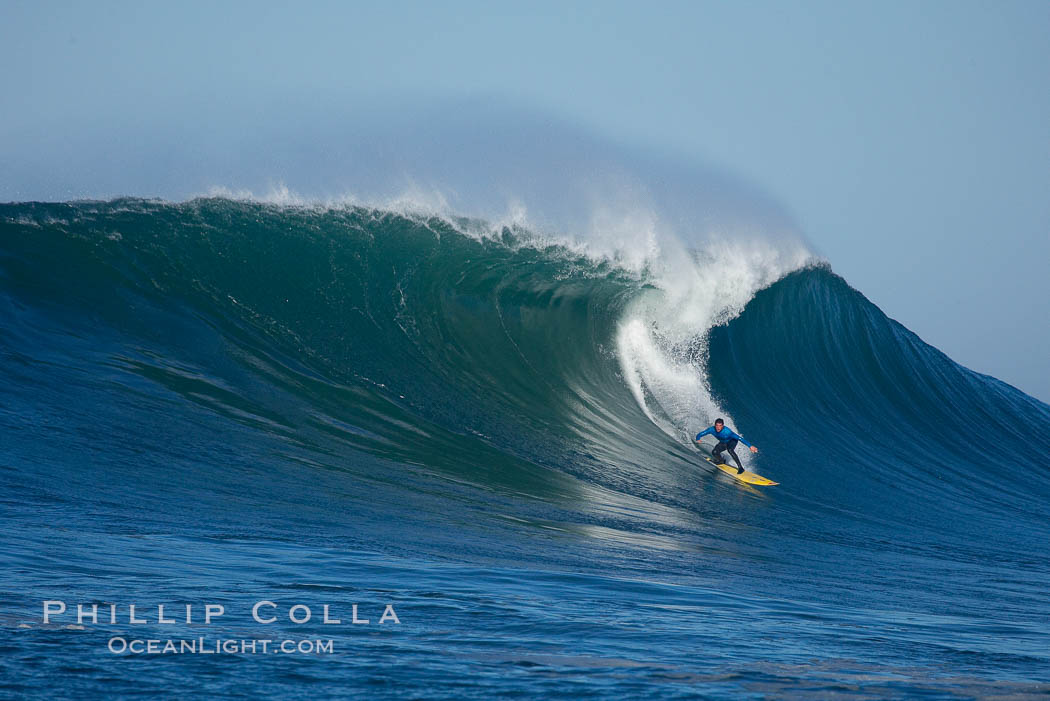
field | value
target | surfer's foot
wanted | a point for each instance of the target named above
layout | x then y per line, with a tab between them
740	470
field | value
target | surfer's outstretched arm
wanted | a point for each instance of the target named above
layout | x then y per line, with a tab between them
706	432
741	439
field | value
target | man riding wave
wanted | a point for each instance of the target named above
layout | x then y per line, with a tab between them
727	440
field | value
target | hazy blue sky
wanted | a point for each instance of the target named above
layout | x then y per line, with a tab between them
910	141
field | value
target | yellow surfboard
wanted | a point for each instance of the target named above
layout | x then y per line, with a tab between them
745	476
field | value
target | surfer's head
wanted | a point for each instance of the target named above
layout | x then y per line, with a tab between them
719	423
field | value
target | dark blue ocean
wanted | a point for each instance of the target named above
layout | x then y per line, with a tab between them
483	443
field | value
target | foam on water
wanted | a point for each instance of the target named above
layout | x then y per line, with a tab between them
662	339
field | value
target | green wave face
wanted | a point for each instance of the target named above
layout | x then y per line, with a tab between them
485	358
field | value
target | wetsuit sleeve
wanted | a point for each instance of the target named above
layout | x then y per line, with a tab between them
705	432
739	438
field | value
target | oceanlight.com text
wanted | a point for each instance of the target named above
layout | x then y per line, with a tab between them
222	646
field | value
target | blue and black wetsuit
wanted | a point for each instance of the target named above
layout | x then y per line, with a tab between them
727	440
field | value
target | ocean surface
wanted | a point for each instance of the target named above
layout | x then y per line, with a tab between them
483	435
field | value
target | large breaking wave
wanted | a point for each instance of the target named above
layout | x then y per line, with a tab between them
506	358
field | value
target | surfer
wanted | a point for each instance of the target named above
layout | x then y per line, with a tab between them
727	440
